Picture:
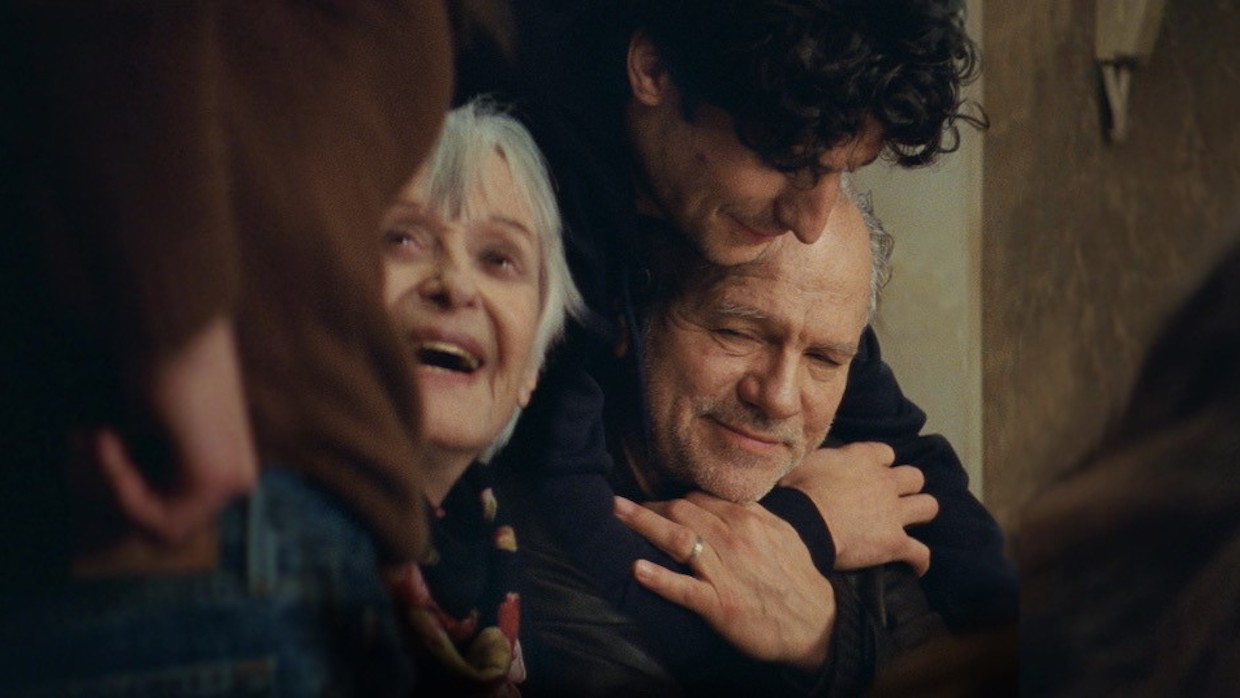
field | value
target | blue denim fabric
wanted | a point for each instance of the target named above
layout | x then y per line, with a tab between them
296	607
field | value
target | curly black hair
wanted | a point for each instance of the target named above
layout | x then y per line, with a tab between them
799	77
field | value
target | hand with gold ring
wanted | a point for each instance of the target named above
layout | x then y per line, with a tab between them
755	583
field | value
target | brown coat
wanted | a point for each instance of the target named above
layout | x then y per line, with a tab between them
186	159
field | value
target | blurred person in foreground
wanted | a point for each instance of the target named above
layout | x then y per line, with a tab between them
209	423
1129	562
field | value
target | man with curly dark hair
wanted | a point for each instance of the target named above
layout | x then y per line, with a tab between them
801	77
731	123
786	96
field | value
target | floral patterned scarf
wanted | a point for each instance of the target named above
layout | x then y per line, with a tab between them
462	601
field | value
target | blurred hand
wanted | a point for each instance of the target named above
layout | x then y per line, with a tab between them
192	419
867	504
753	580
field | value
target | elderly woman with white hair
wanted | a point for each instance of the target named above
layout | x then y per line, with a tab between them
476	283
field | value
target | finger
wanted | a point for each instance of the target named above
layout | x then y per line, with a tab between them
732	525
909	479
672	538
721	511
689	512
917	555
680	589
873	451
171	515
141	505
822	457
918	509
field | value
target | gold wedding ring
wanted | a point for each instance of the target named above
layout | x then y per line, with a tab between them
698	546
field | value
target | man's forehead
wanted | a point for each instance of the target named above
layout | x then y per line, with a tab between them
791	277
820	314
760	285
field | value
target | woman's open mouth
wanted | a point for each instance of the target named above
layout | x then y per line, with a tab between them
446	356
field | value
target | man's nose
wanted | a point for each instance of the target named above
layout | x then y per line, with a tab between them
451	283
773	387
805	211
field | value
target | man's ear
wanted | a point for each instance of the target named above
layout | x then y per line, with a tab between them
648	76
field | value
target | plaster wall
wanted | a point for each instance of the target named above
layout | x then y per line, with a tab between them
929	321
1087	245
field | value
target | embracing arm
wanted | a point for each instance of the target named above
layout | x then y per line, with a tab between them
753	579
970	580
868	504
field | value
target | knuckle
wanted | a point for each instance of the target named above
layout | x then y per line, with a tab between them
822	458
915	474
678	509
754	524
915	551
683	594
682	539
747	527
730	606
881	452
921	559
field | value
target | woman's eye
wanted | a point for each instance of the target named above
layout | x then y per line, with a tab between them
503	262
406	240
496	259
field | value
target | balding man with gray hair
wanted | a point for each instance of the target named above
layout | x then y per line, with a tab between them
742	369
760	353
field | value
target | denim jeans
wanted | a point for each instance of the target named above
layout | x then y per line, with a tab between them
295	607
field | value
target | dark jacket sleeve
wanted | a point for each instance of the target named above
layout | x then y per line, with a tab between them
895	615
971	582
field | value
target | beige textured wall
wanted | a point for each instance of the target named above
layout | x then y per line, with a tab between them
929	321
1087	246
